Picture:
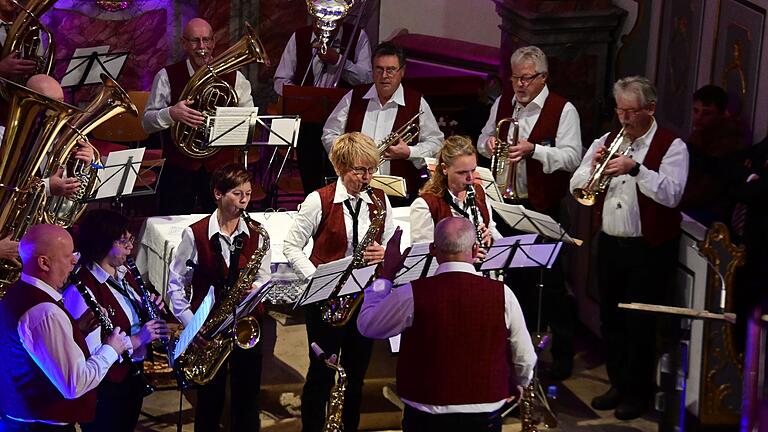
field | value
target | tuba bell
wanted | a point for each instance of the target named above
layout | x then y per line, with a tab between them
110	102
24	36
598	182
208	90
34	120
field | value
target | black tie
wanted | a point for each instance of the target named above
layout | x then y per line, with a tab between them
354	214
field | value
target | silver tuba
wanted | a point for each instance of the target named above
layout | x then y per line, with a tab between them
327	12
110	102
24	36
598	182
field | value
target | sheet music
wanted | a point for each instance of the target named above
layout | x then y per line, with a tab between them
190	331
413	267
80	58
246	306
522	219
284	132
231	125
536	255
324	280
394	344
112	173
359	279
391	185
498	254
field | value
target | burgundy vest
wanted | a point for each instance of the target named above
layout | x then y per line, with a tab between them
544	190
211	268
178	77
441	209
400	167
659	223
304	53
27	391
330	239
456	350
106	299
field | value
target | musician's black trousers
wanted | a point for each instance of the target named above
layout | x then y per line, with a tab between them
419	421
245	382
117	406
179	189
355	355
631	270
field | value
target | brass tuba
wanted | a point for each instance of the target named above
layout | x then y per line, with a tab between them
208	90
34	121
407	132
327	12
337	311
598	182
504	171
199	365
110	102
24	37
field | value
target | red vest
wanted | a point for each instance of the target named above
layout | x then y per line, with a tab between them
544	190
330	239
211	268
27	391
456	351
441	209
106	299
659	223
400	167
178	77
304	53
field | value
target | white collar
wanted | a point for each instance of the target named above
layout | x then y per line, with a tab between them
214	228
101	275
538	100
37	283
342	195
190	69
398	97
455	266
647	136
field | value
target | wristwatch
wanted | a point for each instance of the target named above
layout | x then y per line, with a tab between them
635	170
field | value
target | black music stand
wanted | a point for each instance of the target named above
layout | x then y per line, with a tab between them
87	64
323	283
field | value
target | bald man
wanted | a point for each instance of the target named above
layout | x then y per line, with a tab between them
50	375
185	180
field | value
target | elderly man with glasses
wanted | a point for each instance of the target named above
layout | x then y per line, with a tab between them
383	108
186	179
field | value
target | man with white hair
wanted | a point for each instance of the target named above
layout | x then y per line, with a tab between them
465	350
547	151
639	225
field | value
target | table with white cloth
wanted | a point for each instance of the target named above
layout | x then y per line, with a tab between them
162	234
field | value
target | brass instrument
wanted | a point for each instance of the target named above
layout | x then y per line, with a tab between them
34	120
407	132
110	102
327	12
24	37
337	311
208	90
598	182
333	420
504	171
106	330
199	365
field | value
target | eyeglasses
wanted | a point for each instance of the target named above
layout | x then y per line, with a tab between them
629	111
524	80
125	242
199	41
360	171
391	70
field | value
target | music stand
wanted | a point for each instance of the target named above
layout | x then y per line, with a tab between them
324	282
120	174
277	131
87	64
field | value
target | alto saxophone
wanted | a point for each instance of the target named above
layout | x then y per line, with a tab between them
598	181
527	401
333	413
338	310
199	365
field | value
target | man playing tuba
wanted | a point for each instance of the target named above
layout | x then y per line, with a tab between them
185	179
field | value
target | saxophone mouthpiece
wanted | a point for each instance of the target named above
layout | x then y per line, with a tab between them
319	351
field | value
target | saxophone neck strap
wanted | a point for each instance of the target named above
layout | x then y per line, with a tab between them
234	259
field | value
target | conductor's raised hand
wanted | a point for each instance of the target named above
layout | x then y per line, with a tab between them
181	112
393	258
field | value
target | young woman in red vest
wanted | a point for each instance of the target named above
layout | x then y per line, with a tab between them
445	194
639	225
211	254
336	217
104	243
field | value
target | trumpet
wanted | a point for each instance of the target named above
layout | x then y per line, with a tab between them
598	181
504	171
407	132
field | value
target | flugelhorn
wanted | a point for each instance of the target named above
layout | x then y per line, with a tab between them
407	132
327	12
24	36
598	181
504	171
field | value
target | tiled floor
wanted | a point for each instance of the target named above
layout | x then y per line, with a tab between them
286	361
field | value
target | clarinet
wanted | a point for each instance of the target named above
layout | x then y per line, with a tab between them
153	313
107	328
473	209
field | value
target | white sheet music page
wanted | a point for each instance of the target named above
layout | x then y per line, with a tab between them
499	252
284	132
325	279
414	264
190	331
230	126
358	280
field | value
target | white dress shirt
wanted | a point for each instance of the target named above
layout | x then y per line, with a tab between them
157	114
181	274
566	153
621	212
387	312
307	220
423	227
378	122
357	72
76	306
47	334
